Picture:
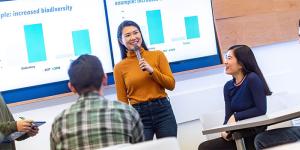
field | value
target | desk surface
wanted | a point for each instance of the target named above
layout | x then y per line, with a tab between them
268	119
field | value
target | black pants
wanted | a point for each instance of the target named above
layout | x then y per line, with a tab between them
221	144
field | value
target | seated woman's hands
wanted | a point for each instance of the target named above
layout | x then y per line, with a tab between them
225	135
231	120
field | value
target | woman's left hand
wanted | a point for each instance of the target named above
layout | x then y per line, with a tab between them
145	66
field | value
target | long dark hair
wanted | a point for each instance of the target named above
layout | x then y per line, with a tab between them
246	59
124	24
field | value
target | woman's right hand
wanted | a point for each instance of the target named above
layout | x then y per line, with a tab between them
145	66
24	125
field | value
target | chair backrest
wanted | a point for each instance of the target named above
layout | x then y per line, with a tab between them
159	144
275	102
213	119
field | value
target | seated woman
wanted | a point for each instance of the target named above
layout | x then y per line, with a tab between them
245	97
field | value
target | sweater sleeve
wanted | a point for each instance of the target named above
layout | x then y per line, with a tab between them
163	75
120	85
228	111
259	98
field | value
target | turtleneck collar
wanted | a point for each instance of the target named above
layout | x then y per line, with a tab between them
131	54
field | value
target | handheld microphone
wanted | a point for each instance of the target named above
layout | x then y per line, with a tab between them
136	49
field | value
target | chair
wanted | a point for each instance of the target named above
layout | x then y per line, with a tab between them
209	120
277	102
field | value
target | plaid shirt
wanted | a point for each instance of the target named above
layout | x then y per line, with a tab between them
94	122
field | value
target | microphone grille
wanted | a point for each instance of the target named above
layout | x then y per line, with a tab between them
136	48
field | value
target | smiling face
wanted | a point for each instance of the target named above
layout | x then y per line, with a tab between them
131	36
232	67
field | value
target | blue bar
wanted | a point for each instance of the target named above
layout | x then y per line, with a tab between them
155	27
81	42
35	43
192	27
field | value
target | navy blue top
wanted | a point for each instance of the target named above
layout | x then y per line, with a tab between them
246	100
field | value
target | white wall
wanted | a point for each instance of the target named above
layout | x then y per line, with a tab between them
196	93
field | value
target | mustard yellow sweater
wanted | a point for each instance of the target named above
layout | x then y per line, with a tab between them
135	85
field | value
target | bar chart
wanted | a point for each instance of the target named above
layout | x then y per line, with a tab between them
35	42
192	27
155	27
44	43
81	42
180	32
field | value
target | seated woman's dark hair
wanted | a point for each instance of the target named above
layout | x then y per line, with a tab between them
246	59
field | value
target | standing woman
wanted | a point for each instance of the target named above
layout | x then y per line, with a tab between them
142	83
245	97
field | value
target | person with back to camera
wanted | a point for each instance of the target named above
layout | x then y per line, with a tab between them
8	125
142	83
278	136
244	95
93	122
